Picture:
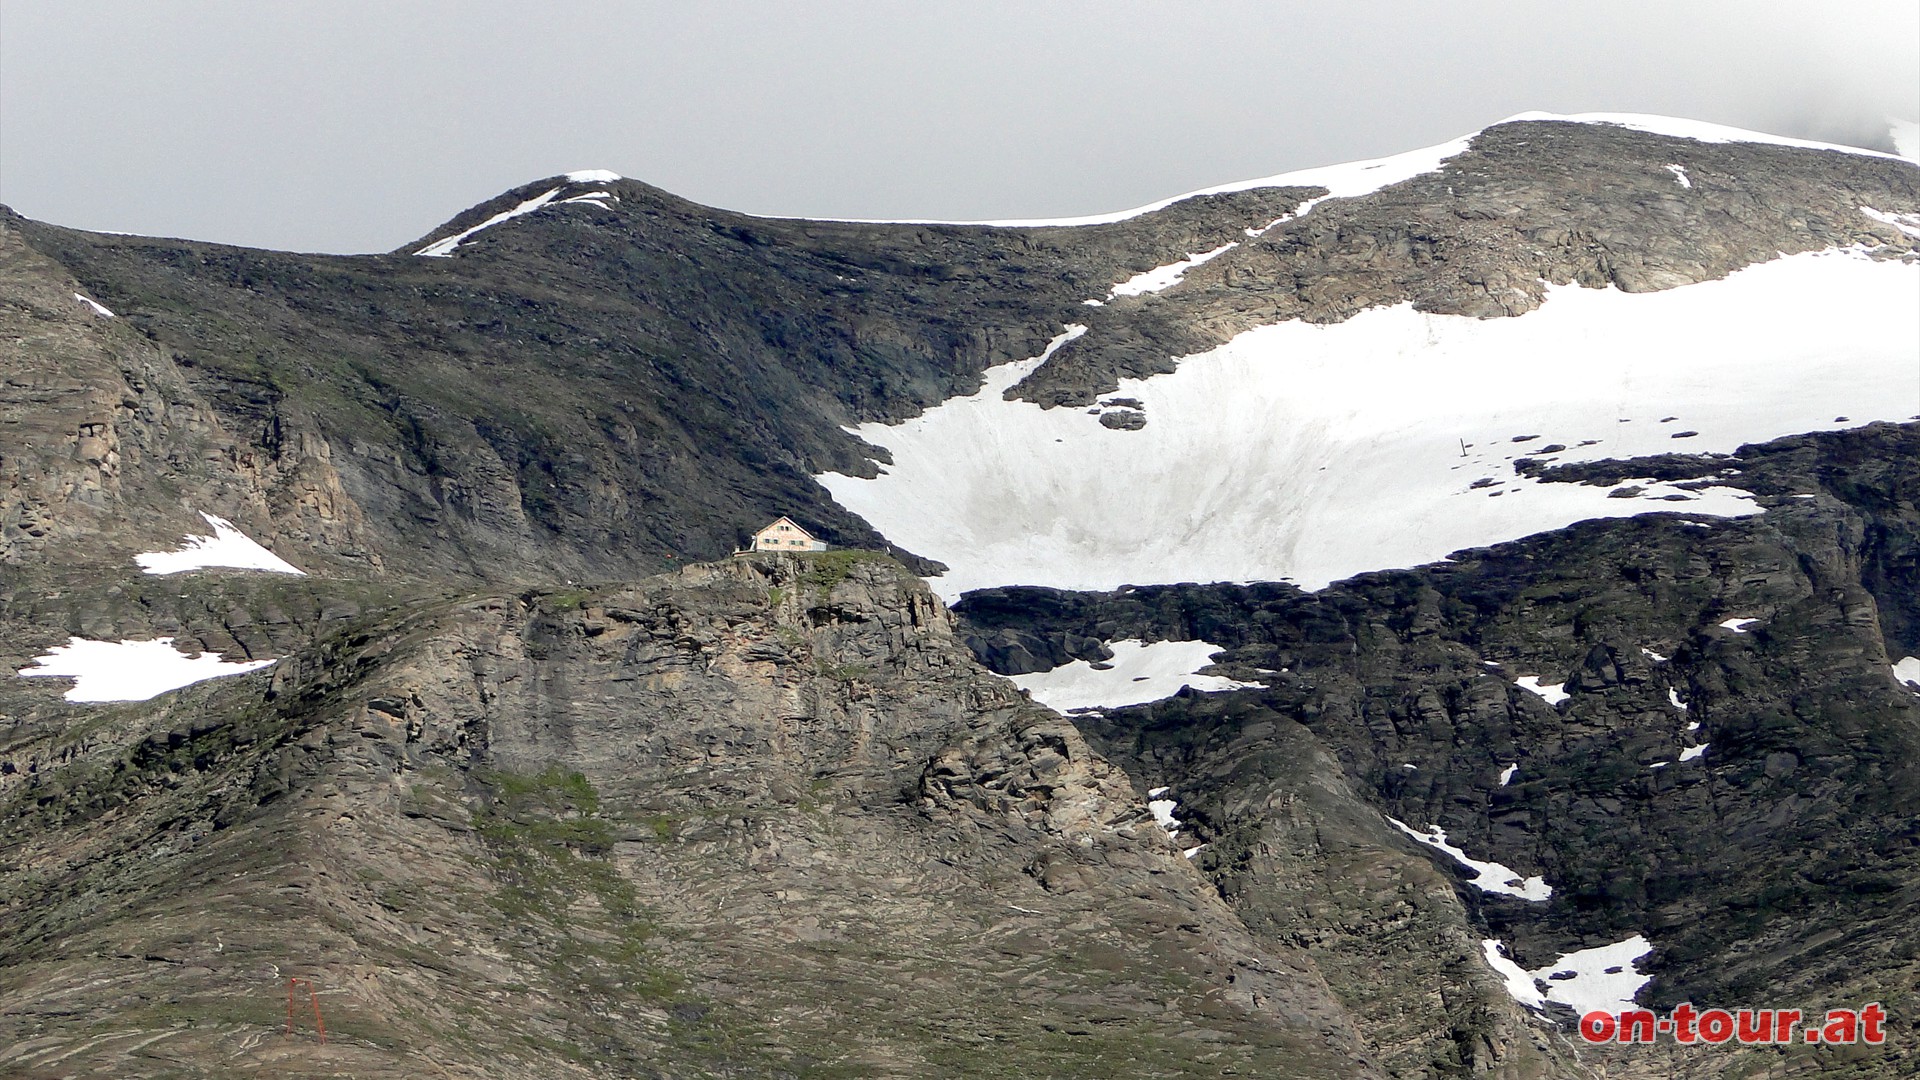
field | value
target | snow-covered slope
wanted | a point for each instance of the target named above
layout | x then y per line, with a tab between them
1311	453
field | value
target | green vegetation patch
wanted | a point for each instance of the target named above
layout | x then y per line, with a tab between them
826	569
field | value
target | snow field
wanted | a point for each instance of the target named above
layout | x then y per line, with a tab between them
445	247
98	308
1162	806
1600	979
228	548
1138	673
1552	693
1165	277
1520	985
1312	453
1344	181
1697	130
1162	809
130	670
1488	876
1354	178
137	670
1906	223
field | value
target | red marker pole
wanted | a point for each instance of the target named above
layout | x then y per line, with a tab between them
313	996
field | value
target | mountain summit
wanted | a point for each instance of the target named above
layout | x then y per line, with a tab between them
1342	624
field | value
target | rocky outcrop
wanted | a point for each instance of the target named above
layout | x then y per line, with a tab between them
111	451
1774	866
1530	204
763	817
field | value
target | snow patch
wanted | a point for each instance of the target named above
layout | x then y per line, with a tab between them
130	670
1691	752
443	249
98	308
593	176
1139	672
1738	626
228	548
1166	277
1488	876
1506	774
1651	655
1906	223
1162	811
1162	808
1313	453
1520	985
1680	174
1908	670
1554	693
1602	979
1673	699
1693	725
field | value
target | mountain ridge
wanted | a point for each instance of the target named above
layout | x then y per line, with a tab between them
526	793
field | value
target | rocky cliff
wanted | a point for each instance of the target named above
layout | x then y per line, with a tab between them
1778	864
763	817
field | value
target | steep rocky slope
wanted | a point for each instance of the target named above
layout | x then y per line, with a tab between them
619	379
596	391
1528	205
518	808
1780	865
757	818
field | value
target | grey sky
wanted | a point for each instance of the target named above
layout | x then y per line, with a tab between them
347	125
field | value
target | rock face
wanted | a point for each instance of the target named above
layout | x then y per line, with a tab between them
763	817
1777	865
106	436
601	392
1529	204
772	816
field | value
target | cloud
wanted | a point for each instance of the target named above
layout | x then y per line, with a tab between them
360	125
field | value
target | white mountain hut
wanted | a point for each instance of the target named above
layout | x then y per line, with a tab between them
784	535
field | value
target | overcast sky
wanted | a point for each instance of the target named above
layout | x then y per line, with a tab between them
345	125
